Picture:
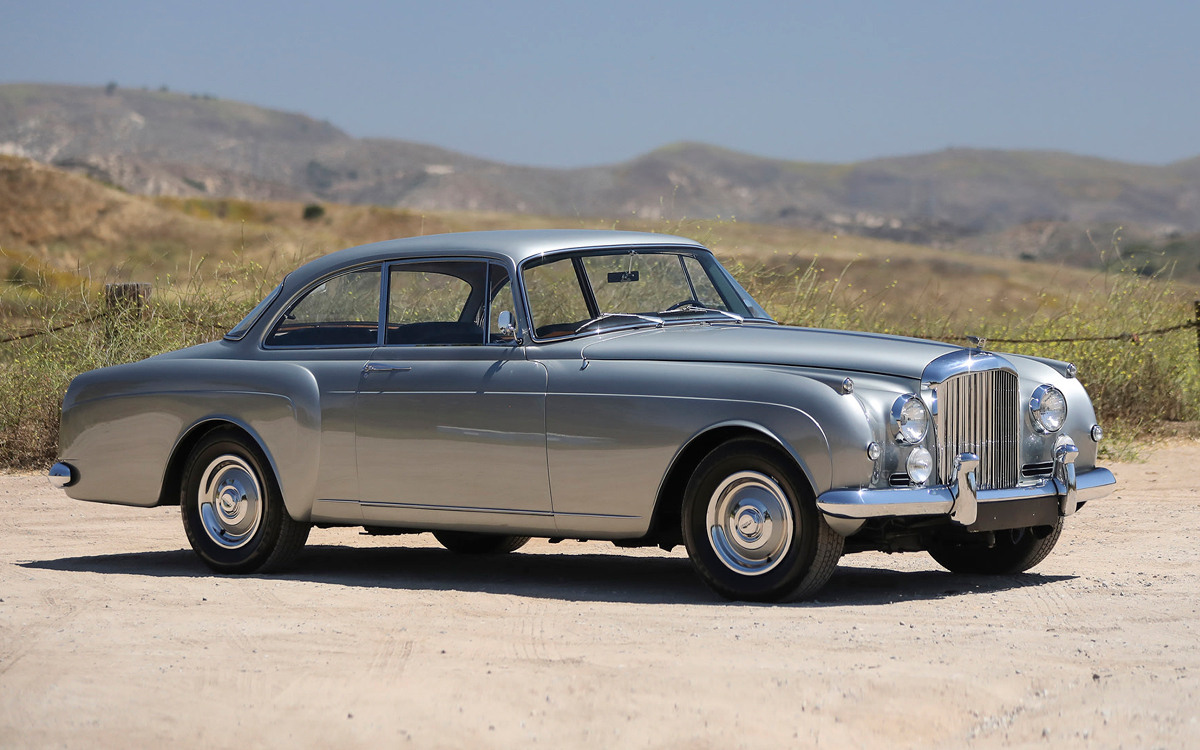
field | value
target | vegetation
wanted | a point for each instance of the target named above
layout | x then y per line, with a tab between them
65	234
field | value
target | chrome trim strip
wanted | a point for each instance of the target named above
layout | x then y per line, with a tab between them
62	475
929	501
454	508
464	509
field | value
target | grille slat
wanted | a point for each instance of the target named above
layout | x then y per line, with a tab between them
977	413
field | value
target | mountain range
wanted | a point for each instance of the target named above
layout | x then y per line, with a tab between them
167	143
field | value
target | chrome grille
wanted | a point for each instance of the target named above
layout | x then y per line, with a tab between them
978	413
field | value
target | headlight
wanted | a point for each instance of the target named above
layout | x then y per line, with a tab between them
1048	407
911	418
919	465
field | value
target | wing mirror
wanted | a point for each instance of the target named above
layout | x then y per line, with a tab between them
507	325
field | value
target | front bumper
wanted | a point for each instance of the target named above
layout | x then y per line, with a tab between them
960	500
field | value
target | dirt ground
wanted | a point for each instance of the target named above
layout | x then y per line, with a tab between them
112	634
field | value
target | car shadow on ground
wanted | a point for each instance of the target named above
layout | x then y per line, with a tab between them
610	577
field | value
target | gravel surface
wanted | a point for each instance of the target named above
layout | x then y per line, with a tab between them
112	634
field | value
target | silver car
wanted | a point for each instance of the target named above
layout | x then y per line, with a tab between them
495	386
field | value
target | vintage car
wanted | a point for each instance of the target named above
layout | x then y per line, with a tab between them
490	387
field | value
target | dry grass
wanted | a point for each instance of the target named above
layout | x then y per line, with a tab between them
68	235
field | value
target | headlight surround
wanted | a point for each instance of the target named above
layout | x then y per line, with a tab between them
919	465
911	419
1048	409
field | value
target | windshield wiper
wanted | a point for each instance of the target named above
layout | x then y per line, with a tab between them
701	308
604	316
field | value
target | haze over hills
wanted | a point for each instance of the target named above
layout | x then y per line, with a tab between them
164	143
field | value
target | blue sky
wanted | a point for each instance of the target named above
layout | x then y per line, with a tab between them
567	84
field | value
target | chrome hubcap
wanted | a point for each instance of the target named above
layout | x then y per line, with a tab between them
749	523
230	501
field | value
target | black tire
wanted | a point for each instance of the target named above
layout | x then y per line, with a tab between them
747	482
473	543
263	537
1015	551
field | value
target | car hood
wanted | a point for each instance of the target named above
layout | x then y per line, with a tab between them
773	345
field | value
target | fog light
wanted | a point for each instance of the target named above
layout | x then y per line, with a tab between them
874	451
920	465
1097	433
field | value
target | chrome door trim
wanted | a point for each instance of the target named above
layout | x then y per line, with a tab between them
461	509
384	367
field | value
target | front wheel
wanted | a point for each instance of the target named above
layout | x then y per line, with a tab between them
1015	551
473	543
232	508
752	528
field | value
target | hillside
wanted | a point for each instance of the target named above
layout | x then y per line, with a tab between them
65	227
170	144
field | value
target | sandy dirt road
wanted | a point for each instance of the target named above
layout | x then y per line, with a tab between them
113	635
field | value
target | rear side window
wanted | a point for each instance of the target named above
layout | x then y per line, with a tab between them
437	303
341	311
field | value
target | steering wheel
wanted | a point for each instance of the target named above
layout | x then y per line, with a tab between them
684	303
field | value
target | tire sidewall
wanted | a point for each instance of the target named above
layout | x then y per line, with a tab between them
750	455
258	549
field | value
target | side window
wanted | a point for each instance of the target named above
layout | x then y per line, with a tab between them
501	300
436	303
555	298
341	311
706	293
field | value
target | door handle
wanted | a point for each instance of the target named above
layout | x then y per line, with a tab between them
384	367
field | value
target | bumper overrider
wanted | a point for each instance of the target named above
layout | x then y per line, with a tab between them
980	510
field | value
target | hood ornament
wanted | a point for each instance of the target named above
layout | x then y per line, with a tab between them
977	342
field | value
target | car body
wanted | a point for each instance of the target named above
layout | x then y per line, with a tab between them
579	402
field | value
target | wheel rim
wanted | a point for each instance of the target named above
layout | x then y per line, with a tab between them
750	523
230	502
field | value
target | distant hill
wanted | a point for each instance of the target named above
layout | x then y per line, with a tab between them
164	143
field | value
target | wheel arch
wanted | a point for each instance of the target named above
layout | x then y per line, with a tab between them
169	494
668	504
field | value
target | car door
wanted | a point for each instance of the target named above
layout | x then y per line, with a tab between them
331	330
450	414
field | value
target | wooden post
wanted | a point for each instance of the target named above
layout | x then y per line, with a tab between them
122	303
133	297
1197	310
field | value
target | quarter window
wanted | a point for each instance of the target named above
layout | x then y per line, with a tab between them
341	311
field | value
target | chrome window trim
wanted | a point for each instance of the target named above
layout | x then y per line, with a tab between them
692	250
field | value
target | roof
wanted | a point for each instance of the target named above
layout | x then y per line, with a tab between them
517	245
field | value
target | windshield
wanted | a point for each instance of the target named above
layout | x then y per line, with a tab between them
239	330
588	291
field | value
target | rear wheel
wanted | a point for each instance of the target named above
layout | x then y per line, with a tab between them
233	511
472	543
752	528
1015	551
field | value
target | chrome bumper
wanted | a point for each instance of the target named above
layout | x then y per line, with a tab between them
960	500
61	475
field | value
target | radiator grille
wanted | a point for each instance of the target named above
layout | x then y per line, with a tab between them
978	413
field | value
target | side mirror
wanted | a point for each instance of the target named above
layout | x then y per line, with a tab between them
507	325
